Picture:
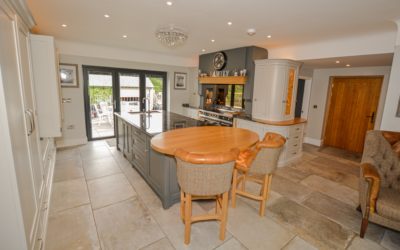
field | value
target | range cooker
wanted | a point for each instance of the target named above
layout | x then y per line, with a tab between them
218	116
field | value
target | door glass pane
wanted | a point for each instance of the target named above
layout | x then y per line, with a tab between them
101	104
129	92
154	92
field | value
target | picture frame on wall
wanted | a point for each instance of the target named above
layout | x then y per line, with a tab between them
69	75
180	80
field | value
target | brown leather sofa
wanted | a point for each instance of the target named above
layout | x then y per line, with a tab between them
380	180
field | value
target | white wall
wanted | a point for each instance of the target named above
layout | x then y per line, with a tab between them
389	120
377	43
74	112
319	92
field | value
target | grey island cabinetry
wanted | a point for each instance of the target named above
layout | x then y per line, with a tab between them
134	132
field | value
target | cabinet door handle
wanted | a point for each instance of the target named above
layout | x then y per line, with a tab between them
29	114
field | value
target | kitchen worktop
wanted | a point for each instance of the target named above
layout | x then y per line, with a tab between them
158	122
294	121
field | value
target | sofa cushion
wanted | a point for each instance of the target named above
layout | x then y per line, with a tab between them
388	203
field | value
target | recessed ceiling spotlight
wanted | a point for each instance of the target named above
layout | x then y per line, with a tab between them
169	3
203	50
348	65
269	36
229	23
124	36
212	40
251	32
64	25
337	61
106	15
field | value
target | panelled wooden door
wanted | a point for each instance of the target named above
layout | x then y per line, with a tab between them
352	111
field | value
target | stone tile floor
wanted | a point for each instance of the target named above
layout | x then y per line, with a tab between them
100	202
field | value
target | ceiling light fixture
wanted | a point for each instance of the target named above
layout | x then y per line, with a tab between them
212	40
251	32
124	36
229	23
106	15
348	65
269	36
169	3
64	25
203	50
171	36
337	62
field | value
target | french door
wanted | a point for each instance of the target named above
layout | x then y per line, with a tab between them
109	90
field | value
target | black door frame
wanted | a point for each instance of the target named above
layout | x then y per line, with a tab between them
116	92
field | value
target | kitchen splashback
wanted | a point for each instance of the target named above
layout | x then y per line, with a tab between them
236	59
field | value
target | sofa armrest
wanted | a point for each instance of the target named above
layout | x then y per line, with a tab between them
370	174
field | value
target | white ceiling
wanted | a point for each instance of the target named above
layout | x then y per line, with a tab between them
288	21
353	61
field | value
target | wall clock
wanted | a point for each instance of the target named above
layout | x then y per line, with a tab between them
219	60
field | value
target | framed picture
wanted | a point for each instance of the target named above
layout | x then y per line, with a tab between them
69	75
180	80
398	109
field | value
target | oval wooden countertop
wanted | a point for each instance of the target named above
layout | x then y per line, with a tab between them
208	139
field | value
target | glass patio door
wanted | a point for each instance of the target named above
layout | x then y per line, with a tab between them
100	96
109	90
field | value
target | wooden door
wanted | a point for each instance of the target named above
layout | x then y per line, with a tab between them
352	111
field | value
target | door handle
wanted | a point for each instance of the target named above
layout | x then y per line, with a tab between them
371	117
28	113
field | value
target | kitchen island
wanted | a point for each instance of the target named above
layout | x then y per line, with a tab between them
134	132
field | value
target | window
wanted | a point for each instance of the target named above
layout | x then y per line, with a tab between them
234	97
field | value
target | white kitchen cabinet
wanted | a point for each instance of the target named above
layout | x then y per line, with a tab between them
275	88
47	87
293	133
24	181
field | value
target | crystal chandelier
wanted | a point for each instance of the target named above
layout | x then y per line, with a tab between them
171	36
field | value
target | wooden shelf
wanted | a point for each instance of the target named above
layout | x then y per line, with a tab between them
223	80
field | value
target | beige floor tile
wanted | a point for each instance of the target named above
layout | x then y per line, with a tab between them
72	229
232	244
340	165
310	225
256	232
69	194
291	173
163	244
295	191
204	235
100	167
332	189
298	243
67	154
391	240
342	213
68	170
126	225
364	244
95	153
92	144
108	190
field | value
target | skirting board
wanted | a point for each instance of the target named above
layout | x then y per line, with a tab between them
313	141
62	143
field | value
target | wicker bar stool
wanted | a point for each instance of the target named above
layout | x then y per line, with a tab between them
205	176
257	165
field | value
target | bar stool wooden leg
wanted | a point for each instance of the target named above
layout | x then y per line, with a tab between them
234	186
188	217
182	206
264	194
224	215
